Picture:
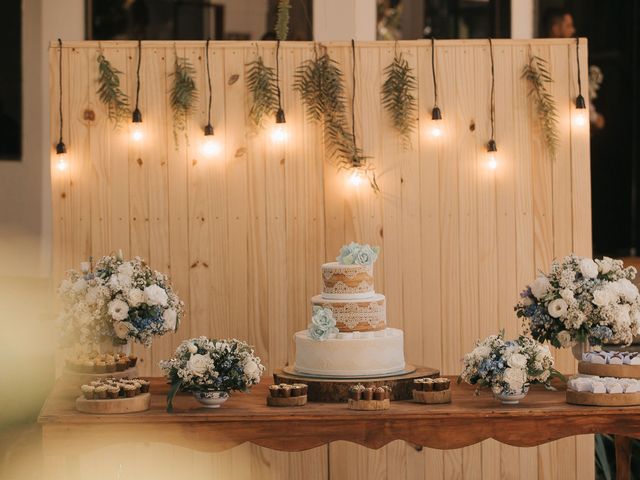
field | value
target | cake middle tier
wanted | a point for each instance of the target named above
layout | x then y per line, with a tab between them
356	315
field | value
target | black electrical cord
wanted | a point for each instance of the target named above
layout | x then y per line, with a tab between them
137	116
493	93
433	71
208	129
60	148
353	93
280	113
580	103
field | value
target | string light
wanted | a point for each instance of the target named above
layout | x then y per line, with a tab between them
210	146
137	132
580	114
435	128
492	148
279	133
355	178
61	148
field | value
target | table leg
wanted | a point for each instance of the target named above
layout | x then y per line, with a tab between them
623	457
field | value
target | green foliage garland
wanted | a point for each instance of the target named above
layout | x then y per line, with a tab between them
398	98
537	74
261	81
321	86
282	20
183	96
110	93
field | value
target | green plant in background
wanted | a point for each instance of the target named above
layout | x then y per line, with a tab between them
606	458
282	20
183	96
261	81
398	97
321	86
110	93
536	72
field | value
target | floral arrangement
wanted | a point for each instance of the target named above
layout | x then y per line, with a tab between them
203	364
358	254
508	366
322	325
117	300
582	300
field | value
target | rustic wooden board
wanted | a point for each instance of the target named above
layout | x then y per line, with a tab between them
620	371
287	402
369	404
443	396
603	399
139	403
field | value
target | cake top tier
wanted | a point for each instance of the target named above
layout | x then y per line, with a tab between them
351	276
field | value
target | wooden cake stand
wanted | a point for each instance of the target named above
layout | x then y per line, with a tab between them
608	370
324	389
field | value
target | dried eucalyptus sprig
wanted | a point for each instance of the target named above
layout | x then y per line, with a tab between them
321	86
537	74
261	81
398	97
110	93
282	20
183	96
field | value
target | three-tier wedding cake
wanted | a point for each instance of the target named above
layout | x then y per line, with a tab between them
348	334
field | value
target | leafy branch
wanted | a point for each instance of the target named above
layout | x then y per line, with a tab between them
261	81
183	95
537	74
282	20
110	93
398	97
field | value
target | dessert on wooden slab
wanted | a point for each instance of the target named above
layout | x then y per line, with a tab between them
114	395
287	395
369	398
603	391
610	364
432	390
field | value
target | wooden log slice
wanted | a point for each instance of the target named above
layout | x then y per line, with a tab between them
443	396
332	390
607	370
287	402
110	406
369	404
603	399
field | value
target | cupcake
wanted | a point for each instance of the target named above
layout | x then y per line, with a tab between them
144	385
285	391
132	361
111	366
378	393
138	386
303	388
122	365
440	384
121	386
418	384
101	392
101	367
273	390
88	391
129	390
113	392
367	394
387	392
427	384
296	391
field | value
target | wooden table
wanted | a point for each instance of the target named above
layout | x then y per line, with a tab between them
541	417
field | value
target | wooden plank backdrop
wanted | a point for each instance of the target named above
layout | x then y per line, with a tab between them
243	235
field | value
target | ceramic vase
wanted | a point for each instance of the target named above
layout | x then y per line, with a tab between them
211	398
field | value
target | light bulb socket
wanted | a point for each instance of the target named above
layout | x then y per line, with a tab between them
136	117
280	116
61	148
436	114
580	103
208	130
491	146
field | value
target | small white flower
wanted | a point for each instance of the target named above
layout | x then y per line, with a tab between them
136	297
198	364
588	268
118	309
564	337
156	295
170	319
121	329
557	308
540	287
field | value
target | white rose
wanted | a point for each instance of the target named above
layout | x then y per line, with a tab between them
603	296
170	318
192	348
251	369
114	283
121	329
79	285
136	297
567	295
118	309
198	364
605	265
156	295
623	317
540	287
588	268
517	360
92	295
627	290
564	338
515	378
557	308
126	269
482	351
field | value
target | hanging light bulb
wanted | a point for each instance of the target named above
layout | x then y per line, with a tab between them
61	157
435	128
492	155
61	148
355	178
279	133
210	146
137	132
580	113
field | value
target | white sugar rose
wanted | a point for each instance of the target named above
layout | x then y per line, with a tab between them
557	308
170	319
118	309
121	329
198	364
192	348
540	287
136	297
564	338
366	256
588	268
517	360
155	295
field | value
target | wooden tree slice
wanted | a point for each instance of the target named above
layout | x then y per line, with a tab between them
603	399
109	406
369	404
607	370
443	396
287	402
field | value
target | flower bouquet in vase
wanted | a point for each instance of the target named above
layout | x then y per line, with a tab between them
210	369
115	302
582	302
508	367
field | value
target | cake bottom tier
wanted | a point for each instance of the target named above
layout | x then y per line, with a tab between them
360	355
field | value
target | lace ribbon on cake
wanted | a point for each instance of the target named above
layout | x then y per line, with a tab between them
349	273
343	288
353	314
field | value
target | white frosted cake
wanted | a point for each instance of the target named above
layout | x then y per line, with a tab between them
348	334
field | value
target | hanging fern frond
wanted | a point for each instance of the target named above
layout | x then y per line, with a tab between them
183	96
282	20
261	81
321	86
398	97
537	74
110	93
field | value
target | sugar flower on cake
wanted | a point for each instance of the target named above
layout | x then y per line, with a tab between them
203	364
323	325
582	300
358	254
117	300
508	366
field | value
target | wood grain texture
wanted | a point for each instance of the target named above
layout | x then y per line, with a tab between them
243	234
